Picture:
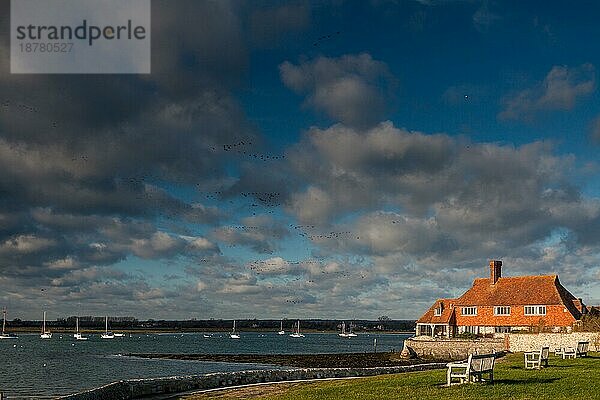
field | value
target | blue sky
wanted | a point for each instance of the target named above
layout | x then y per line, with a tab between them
306	159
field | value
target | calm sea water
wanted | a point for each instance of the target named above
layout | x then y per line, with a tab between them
34	368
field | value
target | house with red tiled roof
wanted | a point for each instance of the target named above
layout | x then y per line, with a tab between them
497	305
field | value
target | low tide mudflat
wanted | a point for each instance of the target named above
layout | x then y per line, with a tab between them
328	360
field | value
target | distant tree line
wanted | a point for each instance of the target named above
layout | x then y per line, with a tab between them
382	324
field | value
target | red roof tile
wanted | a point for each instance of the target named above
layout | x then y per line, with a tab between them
520	290
447	316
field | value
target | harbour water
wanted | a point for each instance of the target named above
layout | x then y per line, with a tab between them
32	368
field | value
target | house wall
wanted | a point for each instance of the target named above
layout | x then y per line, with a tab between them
556	315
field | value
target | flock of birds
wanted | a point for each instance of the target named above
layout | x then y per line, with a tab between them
241	148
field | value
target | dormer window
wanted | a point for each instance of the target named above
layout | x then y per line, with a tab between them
437	311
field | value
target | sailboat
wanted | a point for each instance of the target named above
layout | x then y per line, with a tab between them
296	333
45	334
343	331
77	335
234	334
107	334
5	335
281	331
350	332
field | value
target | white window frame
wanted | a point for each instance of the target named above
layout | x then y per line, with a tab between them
468	311
501	310
534	310
437	311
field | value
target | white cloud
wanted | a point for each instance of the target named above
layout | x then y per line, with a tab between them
559	91
349	89
25	244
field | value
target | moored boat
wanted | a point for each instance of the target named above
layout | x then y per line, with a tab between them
77	335
5	335
107	334
234	334
296	333
45	334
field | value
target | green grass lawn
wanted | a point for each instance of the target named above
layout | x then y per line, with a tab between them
563	379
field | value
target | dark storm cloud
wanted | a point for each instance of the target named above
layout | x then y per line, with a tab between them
87	161
165	125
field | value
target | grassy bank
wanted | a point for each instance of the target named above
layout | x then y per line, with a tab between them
563	379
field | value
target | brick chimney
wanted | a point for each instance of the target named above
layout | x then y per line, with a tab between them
495	271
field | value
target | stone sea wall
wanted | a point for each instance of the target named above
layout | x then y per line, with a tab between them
526	342
139	388
451	349
456	349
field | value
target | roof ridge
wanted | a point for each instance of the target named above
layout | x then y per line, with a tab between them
520	277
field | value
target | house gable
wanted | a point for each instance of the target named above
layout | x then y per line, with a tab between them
447	315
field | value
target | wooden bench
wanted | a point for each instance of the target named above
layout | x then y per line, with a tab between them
471	370
535	359
582	349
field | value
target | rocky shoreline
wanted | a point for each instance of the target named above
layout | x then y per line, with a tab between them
343	360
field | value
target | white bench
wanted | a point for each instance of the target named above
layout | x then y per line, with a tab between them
472	370
558	351
535	359
569	352
582	349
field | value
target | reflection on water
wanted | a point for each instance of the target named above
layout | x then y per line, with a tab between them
35	368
